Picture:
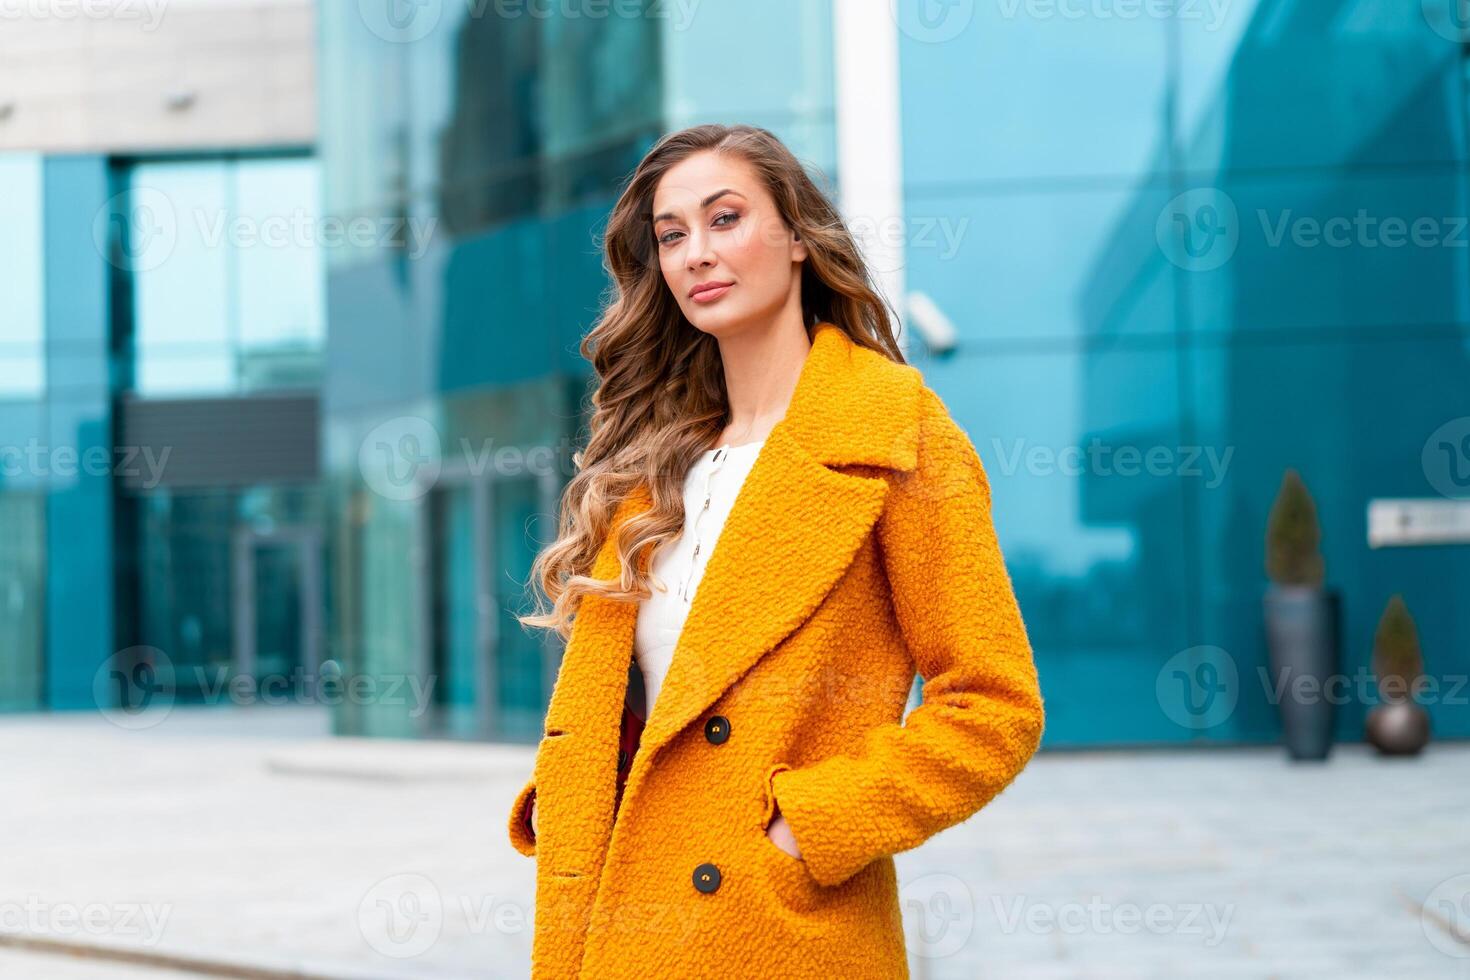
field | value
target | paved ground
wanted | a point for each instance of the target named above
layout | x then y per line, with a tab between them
251	837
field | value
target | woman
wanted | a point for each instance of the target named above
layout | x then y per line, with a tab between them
727	769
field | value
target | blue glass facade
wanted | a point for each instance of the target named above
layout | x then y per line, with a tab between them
225	274
483	149
126	279
56	514
478	154
1131	263
1114	208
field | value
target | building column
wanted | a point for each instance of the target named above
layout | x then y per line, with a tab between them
79	458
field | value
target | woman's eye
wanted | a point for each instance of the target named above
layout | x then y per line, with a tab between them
669	237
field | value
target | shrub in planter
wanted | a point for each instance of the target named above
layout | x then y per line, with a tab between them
1399	725
1301	621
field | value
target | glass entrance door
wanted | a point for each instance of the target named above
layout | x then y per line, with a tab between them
278	603
491	677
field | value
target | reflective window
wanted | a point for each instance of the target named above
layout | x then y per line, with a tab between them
22	327
225	257
1186	247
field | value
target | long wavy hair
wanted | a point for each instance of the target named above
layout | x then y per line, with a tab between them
660	398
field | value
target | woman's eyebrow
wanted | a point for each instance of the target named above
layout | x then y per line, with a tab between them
667	215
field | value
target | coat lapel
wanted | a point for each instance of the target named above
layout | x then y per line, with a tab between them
795	525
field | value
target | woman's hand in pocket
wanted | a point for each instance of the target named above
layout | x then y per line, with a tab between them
779	832
533	818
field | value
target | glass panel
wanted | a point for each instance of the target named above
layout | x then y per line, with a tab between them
1088	506
1027	266
179	235
1332	251
763	62
22	420
22	615
1042	90
184	588
454	614
364	99
521	702
1267	85
184	577
22	327
282	305
278	598
226	258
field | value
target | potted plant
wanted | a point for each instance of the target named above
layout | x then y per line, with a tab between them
1399	725
1301	621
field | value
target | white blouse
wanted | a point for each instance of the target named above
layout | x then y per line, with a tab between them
710	489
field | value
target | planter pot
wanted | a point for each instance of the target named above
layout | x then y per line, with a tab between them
1398	727
1301	636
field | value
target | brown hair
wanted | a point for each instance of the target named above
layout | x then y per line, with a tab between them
660	399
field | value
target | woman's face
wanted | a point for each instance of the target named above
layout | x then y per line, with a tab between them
724	251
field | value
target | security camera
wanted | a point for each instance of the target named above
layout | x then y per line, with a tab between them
936	330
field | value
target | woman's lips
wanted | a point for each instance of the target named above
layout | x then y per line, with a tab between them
710	295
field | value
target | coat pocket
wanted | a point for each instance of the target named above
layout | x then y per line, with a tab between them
786	876
770	797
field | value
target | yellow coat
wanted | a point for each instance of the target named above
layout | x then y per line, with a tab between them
859	550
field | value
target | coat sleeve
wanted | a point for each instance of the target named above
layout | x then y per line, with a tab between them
981	717
521	837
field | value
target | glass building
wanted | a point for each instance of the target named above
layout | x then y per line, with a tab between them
1151	334
484	150
161	339
1049	154
159	498
1183	247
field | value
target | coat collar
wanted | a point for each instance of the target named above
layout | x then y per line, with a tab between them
795	526
853	405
